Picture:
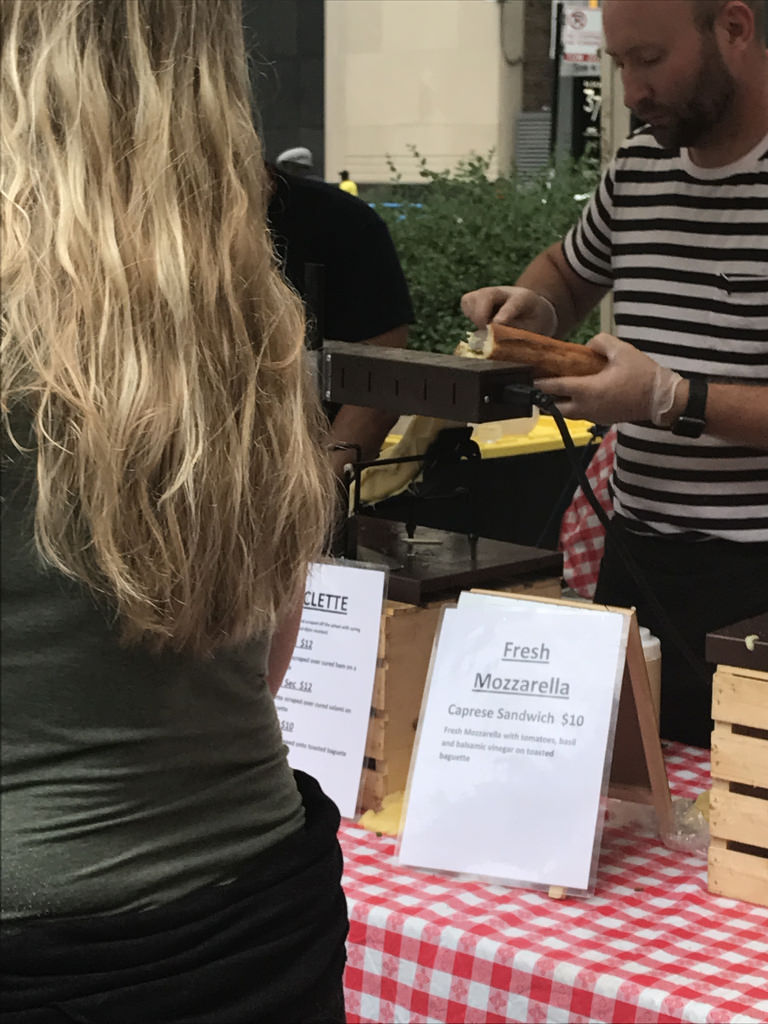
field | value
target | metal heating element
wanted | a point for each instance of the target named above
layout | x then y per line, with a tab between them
405	382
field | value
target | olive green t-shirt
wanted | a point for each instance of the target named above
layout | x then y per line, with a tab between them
128	778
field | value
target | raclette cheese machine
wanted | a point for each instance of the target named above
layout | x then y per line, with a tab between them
407	382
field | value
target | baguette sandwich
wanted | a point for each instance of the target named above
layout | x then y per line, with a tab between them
547	357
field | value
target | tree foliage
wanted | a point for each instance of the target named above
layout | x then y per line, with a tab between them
460	230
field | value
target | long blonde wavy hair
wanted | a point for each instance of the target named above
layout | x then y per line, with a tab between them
147	335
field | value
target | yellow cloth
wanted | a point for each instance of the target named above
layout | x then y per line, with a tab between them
348	186
379	482
388	820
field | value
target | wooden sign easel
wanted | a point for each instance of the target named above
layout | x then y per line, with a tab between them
637	769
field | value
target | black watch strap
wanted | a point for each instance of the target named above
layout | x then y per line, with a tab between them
692	420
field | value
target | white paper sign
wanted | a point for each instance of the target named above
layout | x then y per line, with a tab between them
582	34
325	701
513	737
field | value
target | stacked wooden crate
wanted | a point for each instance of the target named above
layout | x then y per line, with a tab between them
738	853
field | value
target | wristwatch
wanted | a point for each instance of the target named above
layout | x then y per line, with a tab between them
691	421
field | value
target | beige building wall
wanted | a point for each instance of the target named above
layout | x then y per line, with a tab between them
431	73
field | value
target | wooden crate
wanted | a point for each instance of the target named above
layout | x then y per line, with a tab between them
738	852
405	648
546	587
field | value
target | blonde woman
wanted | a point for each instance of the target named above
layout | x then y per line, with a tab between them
164	486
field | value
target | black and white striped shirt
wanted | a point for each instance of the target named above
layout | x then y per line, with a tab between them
685	249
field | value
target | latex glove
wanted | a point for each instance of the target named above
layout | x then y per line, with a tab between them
507	304
631	388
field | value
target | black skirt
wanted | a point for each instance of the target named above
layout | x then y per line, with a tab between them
269	947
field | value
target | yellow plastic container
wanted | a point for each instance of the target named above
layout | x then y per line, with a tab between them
542	437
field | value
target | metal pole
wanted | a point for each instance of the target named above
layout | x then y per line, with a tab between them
556	78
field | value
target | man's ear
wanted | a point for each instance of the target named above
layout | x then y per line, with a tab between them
735	23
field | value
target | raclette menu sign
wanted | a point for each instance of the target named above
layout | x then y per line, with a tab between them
324	702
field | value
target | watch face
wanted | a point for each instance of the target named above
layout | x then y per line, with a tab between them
688	426
691	422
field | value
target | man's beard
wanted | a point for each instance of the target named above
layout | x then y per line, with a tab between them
692	122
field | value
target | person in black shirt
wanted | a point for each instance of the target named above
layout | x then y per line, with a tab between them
366	296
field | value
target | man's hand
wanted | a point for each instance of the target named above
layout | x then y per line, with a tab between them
621	392
507	304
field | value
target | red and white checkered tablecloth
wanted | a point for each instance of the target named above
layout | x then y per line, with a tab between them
582	535
651	945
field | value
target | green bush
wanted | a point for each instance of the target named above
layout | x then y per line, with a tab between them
470	231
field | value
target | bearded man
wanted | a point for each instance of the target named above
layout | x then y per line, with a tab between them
678	228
